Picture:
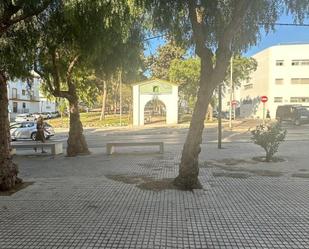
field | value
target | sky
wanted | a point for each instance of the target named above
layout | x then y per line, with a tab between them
282	34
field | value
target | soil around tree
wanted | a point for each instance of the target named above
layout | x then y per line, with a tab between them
18	187
146	182
231	168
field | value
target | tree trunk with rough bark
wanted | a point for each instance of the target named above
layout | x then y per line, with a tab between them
76	142
104	94
189	167
8	169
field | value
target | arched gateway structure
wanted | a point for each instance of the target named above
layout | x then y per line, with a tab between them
156	89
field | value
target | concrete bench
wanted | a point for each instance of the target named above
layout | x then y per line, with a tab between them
56	147
110	146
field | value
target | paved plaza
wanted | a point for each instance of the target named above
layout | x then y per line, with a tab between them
125	201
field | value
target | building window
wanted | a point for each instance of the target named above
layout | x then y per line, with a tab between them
24	105
299	100
279	81
248	86
23	92
15	105
278	99
14	93
300	63
300	81
279	62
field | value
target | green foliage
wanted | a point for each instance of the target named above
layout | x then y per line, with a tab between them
186	73
102	35
18	35
242	69
219	16
159	64
269	138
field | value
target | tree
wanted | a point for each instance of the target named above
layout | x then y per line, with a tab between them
160	63
77	34
186	73
217	29
17	39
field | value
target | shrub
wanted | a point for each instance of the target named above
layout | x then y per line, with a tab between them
269	138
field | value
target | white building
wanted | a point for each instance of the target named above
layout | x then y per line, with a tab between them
47	105
25	97
282	75
161	90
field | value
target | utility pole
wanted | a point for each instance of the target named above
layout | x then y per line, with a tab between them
220	116
231	91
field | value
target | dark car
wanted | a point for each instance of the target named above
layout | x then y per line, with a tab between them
296	114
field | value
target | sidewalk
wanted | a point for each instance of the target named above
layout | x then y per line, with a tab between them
120	201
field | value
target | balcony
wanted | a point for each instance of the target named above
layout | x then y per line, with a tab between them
25	98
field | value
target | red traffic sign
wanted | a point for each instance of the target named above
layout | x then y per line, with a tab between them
264	99
234	102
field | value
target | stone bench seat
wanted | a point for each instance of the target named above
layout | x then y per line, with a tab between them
110	146
56	147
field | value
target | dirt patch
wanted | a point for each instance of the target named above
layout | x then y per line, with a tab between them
261	172
231	175
230	166
306	175
225	162
129	179
158	185
17	188
145	182
263	159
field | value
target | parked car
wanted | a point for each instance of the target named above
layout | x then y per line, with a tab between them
46	115
296	114
27	130
36	115
24	117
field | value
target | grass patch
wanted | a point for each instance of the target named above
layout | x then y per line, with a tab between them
92	119
17	188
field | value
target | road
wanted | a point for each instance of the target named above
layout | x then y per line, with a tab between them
176	135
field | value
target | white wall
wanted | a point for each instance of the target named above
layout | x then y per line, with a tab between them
263	79
47	105
140	100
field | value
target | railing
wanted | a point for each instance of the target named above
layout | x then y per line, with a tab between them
25	97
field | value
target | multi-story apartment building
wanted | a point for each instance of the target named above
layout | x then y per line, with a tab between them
24	97
282	75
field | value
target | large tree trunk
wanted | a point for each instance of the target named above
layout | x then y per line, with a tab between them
8	169
104	93
189	168
76	142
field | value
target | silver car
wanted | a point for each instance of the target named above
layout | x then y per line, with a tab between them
28	130
24	117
